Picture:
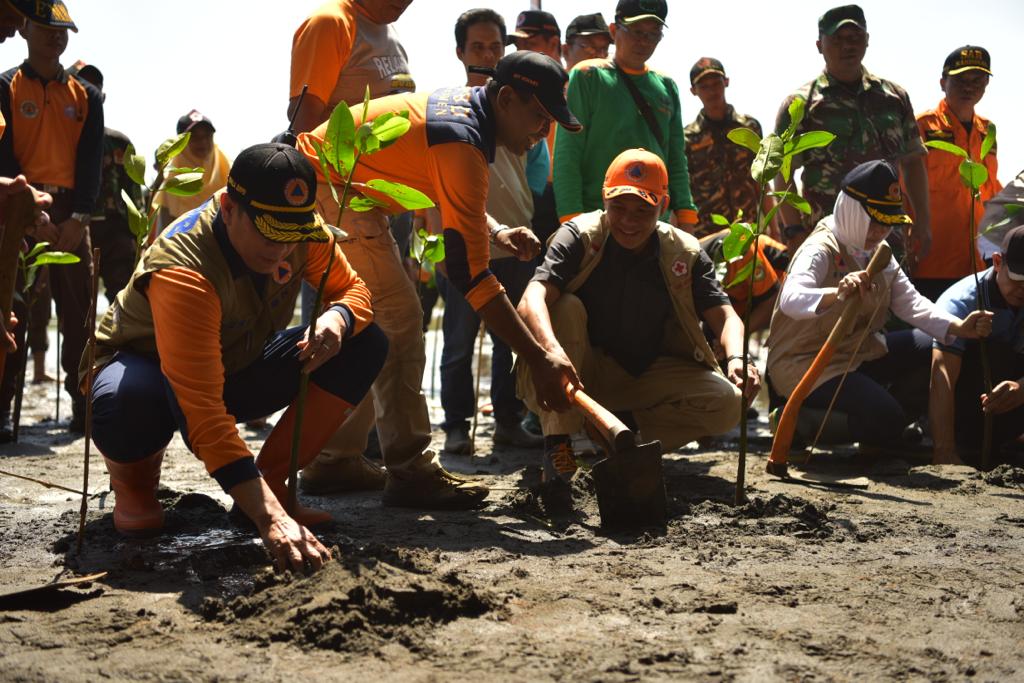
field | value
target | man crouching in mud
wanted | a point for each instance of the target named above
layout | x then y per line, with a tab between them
195	343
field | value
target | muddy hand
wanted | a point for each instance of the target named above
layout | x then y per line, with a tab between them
328	334
550	376
293	546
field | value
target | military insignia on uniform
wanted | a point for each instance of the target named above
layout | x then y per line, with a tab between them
282	272
679	268
759	273
636	171
29	109
69	111
296	192
894	193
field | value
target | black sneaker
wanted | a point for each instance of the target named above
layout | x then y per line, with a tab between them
6	429
456	441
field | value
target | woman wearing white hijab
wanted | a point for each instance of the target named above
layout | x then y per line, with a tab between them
828	268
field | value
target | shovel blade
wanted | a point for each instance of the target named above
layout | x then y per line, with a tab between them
631	488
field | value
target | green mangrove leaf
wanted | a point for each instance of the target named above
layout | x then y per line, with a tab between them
390	129
794	200
171	147
135	165
339	141
743	273
184	185
366	141
768	161
325	166
55	258
973	174
178	170
719	219
365	204
989	142
810	140
336	232
366	103
137	223
1012	209
39	248
797	108
407	197
744	137
787	167
947	147
732	245
433	248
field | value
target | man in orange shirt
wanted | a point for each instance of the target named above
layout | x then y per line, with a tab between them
55	137
965	75
343	47
194	344
445	155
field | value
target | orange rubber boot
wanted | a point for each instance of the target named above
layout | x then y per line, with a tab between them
324	414
137	512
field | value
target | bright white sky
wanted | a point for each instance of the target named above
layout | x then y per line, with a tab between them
229	58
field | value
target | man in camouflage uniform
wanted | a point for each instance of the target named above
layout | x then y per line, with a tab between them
871	117
109	227
719	169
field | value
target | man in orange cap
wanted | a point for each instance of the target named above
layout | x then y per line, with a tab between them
621	296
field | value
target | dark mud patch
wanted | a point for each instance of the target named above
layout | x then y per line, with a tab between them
357	603
1005	476
550	504
778	514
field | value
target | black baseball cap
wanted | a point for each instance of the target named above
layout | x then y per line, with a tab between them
876	185
837	17
705	66
544	78
89	72
967	58
587	25
1013	253
531	22
50	13
193	119
276	185
631	11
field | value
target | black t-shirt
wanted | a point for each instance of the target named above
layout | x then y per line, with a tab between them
626	298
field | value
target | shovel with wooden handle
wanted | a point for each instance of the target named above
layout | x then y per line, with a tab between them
20	216
778	460
628	477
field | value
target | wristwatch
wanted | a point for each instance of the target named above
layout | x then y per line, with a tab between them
82	217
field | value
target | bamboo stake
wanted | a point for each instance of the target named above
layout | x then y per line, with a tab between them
476	393
90	351
56	419
41	482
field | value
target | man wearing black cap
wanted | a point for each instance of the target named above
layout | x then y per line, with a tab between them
965	75
194	343
719	169
957	415
538	31
587	37
54	137
623	104
445	155
829	267
872	118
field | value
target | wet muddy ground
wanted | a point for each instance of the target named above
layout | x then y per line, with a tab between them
918	576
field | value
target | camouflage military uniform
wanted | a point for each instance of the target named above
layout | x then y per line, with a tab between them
875	121
109	227
720	169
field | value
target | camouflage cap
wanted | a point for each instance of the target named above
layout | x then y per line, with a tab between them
876	186
705	66
967	58
837	17
49	13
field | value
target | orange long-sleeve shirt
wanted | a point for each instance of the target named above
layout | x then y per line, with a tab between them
187	327
445	156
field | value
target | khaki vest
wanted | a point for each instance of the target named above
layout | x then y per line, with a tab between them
793	344
677	253
377	60
248	318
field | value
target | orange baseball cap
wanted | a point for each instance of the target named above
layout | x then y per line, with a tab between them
639	172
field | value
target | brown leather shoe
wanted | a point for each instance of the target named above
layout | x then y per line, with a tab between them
433	489
341	476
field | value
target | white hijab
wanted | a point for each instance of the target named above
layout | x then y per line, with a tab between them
849	222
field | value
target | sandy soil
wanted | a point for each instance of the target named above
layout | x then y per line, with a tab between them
916	577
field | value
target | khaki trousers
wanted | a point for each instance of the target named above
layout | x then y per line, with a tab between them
675	401
396	398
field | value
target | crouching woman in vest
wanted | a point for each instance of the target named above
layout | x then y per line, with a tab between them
622	297
828	268
194	343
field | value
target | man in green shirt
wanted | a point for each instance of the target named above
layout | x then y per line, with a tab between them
616	117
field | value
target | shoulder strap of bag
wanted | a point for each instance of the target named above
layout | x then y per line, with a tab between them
642	104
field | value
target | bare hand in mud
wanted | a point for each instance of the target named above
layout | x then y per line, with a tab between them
328	334
1003	398
293	546
735	373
